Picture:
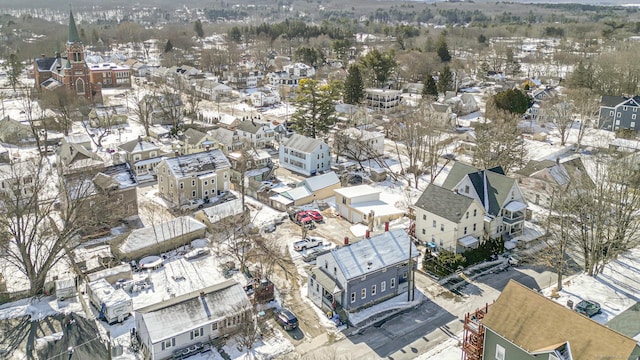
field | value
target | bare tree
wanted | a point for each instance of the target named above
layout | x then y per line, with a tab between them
143	108
586	104
233	238
499	143
605	222
419	140
559	111
246	330
102	122
33	234
66	105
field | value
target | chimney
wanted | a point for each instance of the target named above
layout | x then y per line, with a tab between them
557	161
386	226
346	240
140	139
41	55
367	234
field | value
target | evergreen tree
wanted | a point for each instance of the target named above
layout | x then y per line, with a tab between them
316	109
380	64
353	86
14	69
512	101
445	80
168	46
442	49
197	27
430	88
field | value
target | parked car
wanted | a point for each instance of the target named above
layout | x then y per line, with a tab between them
193	204
287	320
197	253
588	308
306	243
269	228
313	254
315	215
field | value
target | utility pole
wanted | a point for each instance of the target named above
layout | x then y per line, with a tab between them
410	274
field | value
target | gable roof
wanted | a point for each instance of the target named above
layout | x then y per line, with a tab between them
318	182
611	101
186	312
497	188
45	63
250	126
534	323
304	144
358	190
533	166
193	136
373	254
137	145
443	202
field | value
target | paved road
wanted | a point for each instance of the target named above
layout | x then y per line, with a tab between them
439	318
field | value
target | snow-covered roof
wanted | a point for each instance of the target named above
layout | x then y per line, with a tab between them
362	135
152	235
103	274
379	208
198	163
224	210
297	193
106	294
355	191
322	181
192	310
370	255
304	144
138	145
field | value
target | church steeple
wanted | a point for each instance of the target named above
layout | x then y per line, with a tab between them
73	30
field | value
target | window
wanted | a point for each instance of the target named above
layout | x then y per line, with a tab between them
181	185
424	217
168	343
500	352
474	227
335	271
196	333
383	286
465	230
475	212
193	193
193	183
424	231
434	223
363	294
206	183
611	113
214	326
353	297
466	189
466	215
326	264
441	227
624	108
373	290
633	124
618	115
344	200
392	283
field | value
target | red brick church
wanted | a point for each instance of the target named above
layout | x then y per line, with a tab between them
69	72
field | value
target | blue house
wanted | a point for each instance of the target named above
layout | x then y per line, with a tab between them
619	113
362	274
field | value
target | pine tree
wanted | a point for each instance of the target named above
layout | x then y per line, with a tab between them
445	80
442	49
316	109
430	88
353	86
14	69
168	46
197	27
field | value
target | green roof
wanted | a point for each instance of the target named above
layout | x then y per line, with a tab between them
73	30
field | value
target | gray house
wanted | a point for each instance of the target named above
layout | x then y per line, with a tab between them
524	325
362	274
619	113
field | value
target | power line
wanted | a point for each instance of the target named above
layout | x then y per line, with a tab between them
71	348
